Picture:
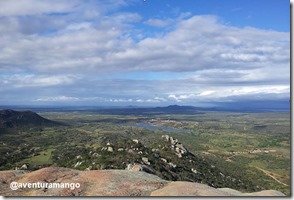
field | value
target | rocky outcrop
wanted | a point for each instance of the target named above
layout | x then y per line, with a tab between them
178	147
92	183
110	183
188	189
261	193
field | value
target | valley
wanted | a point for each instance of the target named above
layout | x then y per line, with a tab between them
248	152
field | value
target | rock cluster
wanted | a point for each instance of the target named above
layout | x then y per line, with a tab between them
178	147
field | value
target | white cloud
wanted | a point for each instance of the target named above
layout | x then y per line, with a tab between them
58	98
35	7
121	100
181	97
206	93
233	92
76	54
158	22
21	81
78	26
107	46
214	45
138	100
160	99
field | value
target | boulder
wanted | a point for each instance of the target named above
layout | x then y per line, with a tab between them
181	188
78	164
172	165
146	161
110	149
165	138
139	168
95	155
24	166
120	149
136	141
260	193
111	183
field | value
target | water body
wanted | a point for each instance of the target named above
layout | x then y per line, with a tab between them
152	127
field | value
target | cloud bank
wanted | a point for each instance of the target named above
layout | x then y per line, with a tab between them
91	52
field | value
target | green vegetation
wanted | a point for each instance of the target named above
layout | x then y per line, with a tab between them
245	151
44	158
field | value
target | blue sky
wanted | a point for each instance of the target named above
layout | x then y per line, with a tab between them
145	53
265	14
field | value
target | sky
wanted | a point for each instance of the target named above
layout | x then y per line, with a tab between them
144	52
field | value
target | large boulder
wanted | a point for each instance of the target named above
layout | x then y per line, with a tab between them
182	188
110	183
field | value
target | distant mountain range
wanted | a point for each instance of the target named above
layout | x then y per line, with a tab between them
172	109
177	109
240	106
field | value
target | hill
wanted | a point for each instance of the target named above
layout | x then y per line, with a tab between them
167	158
23	119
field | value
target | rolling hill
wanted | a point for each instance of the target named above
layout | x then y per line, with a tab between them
23	119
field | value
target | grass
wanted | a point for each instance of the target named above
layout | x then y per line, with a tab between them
43	159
